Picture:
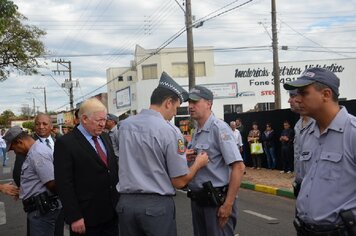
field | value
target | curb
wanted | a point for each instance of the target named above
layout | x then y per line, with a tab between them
267	189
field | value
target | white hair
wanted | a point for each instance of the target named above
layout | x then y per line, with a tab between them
90	106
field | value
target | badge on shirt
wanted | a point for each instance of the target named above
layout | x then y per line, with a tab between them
225	136
181	147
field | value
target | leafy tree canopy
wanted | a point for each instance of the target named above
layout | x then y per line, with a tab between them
29	125
7	10
5	117
20	45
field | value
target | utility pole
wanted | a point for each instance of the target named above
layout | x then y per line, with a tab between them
34	106
44	95
190	45
277	89
68	83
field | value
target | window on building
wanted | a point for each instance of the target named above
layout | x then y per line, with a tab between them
267	106
232	108
181	69
149	71
200	69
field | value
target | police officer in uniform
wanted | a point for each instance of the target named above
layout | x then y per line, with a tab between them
214	189
152	162
300	129
37	189
111	127
326	204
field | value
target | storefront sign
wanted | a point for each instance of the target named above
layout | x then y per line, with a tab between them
123	98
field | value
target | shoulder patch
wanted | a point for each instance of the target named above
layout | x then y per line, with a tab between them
225	136
181	147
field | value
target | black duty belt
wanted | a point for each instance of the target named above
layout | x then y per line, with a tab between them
209	195
42	202
304	229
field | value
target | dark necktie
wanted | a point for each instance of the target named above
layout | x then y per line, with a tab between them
100	151
47	143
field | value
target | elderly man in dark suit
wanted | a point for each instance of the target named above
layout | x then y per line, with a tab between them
86	173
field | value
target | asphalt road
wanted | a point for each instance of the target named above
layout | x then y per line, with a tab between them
258	213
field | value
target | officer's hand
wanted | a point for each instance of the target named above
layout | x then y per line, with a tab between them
10	189
191	155
78	226
224	214
202	159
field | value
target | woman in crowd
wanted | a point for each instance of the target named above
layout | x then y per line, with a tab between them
254	137
269	146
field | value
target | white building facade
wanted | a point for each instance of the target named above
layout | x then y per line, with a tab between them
236	88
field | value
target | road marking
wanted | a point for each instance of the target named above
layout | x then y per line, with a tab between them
259	215
2	214
182	191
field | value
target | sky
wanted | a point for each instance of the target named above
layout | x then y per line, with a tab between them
98	34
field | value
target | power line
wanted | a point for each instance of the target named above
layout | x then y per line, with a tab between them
312	40
156	51
224	12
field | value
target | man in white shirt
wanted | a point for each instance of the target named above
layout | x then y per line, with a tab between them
237	135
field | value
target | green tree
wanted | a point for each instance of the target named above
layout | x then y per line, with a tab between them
7	10
5	118
29	125
52	113
20	45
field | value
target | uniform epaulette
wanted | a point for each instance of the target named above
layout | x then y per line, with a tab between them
353	120
173	126
221	123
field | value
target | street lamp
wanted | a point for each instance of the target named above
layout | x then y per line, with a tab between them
44	94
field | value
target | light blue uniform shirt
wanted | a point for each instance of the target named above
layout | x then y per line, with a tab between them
329	160
215	138
300	132
149	154
37	170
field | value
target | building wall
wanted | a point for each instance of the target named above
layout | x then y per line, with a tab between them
245	84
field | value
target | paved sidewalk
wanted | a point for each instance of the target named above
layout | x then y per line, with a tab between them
269	181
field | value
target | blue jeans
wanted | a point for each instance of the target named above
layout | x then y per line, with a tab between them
3	150
42	225
271	157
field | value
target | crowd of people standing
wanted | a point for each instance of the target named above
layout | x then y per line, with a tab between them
79	177
275	148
